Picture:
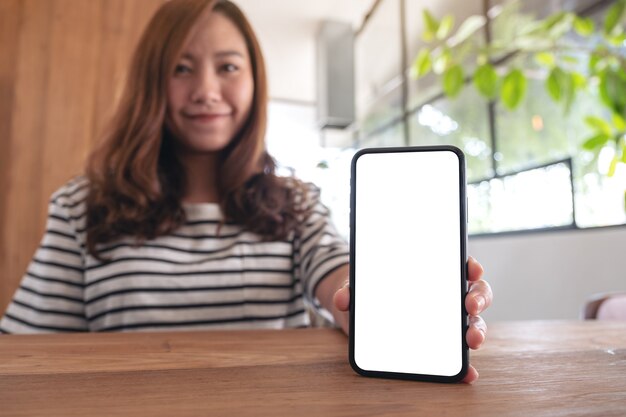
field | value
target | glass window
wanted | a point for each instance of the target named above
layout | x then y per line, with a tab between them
532	199
518	195
537	8
294	140
462	122
390	136
535	133
600	200
378	63
333	177
540	131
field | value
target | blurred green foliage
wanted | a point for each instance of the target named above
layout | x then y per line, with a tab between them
460	56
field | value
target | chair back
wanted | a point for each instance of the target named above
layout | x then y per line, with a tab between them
605	306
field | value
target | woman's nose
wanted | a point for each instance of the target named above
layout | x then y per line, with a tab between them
207	89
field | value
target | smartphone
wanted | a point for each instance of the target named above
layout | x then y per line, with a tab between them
408	263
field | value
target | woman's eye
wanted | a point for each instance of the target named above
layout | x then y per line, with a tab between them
229	68
182	69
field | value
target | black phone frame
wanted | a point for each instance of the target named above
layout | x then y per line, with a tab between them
463	265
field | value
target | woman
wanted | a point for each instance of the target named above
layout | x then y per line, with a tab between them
181	222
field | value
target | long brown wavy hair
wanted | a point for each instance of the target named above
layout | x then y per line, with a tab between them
136	182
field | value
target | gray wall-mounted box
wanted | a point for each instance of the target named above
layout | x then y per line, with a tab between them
335	75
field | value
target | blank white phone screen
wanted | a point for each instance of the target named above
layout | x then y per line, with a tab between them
407	263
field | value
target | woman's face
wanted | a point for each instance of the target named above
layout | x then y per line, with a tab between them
210	93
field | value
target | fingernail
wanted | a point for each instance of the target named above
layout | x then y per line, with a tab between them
480	301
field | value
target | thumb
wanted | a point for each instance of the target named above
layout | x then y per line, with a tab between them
342	297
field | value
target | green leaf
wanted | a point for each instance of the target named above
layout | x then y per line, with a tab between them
561	86
431	26
613	16
513	88
613	89
583	26
597	62
553	20
595	141
624	153
453	80
545	58
617	39
619	122
599	125
482	59
580	81
556	25
532	43
569	59
469	27
570	94
532	27
486	80
422	63
555	83
442	62
561	26
613	166
445	26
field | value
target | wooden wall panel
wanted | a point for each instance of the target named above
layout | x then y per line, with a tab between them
23	199
121	25
10	19
74	46
66	67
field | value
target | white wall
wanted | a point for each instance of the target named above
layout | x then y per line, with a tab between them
549	275
286	30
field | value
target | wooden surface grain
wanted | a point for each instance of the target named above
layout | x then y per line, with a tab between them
556	368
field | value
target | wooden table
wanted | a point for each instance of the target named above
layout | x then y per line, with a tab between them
556	368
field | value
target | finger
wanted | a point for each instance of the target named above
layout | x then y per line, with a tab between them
476	333
474	269
342	297
342	320
478	298
471	376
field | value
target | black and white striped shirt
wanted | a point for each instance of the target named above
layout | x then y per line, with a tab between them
191	279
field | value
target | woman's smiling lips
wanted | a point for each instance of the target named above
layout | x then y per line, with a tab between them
206	117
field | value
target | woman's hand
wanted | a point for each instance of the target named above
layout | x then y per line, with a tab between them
478	298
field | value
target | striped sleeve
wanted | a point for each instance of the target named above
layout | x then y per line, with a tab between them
50	296
322	249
